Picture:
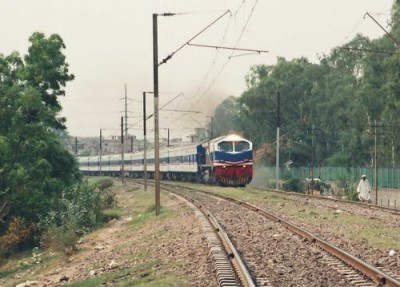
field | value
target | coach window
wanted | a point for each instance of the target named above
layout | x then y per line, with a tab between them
225	146
242	146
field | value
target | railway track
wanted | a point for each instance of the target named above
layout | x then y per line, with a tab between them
229	266
231	271
333	201
351	269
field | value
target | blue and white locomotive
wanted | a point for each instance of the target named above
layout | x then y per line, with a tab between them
226	160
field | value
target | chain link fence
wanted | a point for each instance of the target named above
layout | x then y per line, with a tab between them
387	177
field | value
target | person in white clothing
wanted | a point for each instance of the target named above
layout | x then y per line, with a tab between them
364	189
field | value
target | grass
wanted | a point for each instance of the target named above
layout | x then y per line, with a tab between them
361	229
23	263
240	193
147	270
145	210
10	272
145	274
111	213
98	179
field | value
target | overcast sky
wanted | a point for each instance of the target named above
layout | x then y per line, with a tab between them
109	44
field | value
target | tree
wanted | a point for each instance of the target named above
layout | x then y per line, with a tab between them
34	168
225	116
46	70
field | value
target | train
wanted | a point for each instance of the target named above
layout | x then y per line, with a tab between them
226	160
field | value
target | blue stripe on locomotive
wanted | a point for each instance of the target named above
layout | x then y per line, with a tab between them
233	157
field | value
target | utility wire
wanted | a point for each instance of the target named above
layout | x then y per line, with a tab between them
227	61
369	50
213	63
149	116
214	59
247	22
225	64
194	37
390	36
240	7
228	48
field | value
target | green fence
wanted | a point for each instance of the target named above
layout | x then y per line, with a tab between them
387	177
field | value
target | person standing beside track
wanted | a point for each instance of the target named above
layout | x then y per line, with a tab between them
364	189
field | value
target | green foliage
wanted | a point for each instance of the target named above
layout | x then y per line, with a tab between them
60	238
18	232
37	174
347	188
293	184
110	214
351	193
328	109
78	212
226	117
103	183
146	274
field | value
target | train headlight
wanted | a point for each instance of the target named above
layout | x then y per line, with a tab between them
224	166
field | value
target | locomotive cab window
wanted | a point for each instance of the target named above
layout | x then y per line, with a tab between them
241	146
225	146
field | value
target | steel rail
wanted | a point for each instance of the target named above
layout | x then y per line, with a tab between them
233	254
379	277
394	211
362	266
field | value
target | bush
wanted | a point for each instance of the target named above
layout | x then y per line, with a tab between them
294	184
79	211
347	189
104	183
351	192
108	196
60	238
19	232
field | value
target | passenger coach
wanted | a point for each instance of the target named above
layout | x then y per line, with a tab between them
226	160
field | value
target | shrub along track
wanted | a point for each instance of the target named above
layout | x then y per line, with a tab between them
277	257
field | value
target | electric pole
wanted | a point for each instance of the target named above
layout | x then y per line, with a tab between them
122	151
126	112
100	153
156	123
144	142
76	146
278	123
375	166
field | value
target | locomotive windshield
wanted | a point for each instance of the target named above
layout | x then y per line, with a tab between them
241	146
233	146
225	146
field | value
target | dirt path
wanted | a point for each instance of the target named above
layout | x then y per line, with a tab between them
166	251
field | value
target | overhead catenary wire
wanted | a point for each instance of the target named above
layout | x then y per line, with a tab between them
208	87
228	59
369	50
373	50
199	96
390	36
213	63
194	37
229	48
214	58
151	115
